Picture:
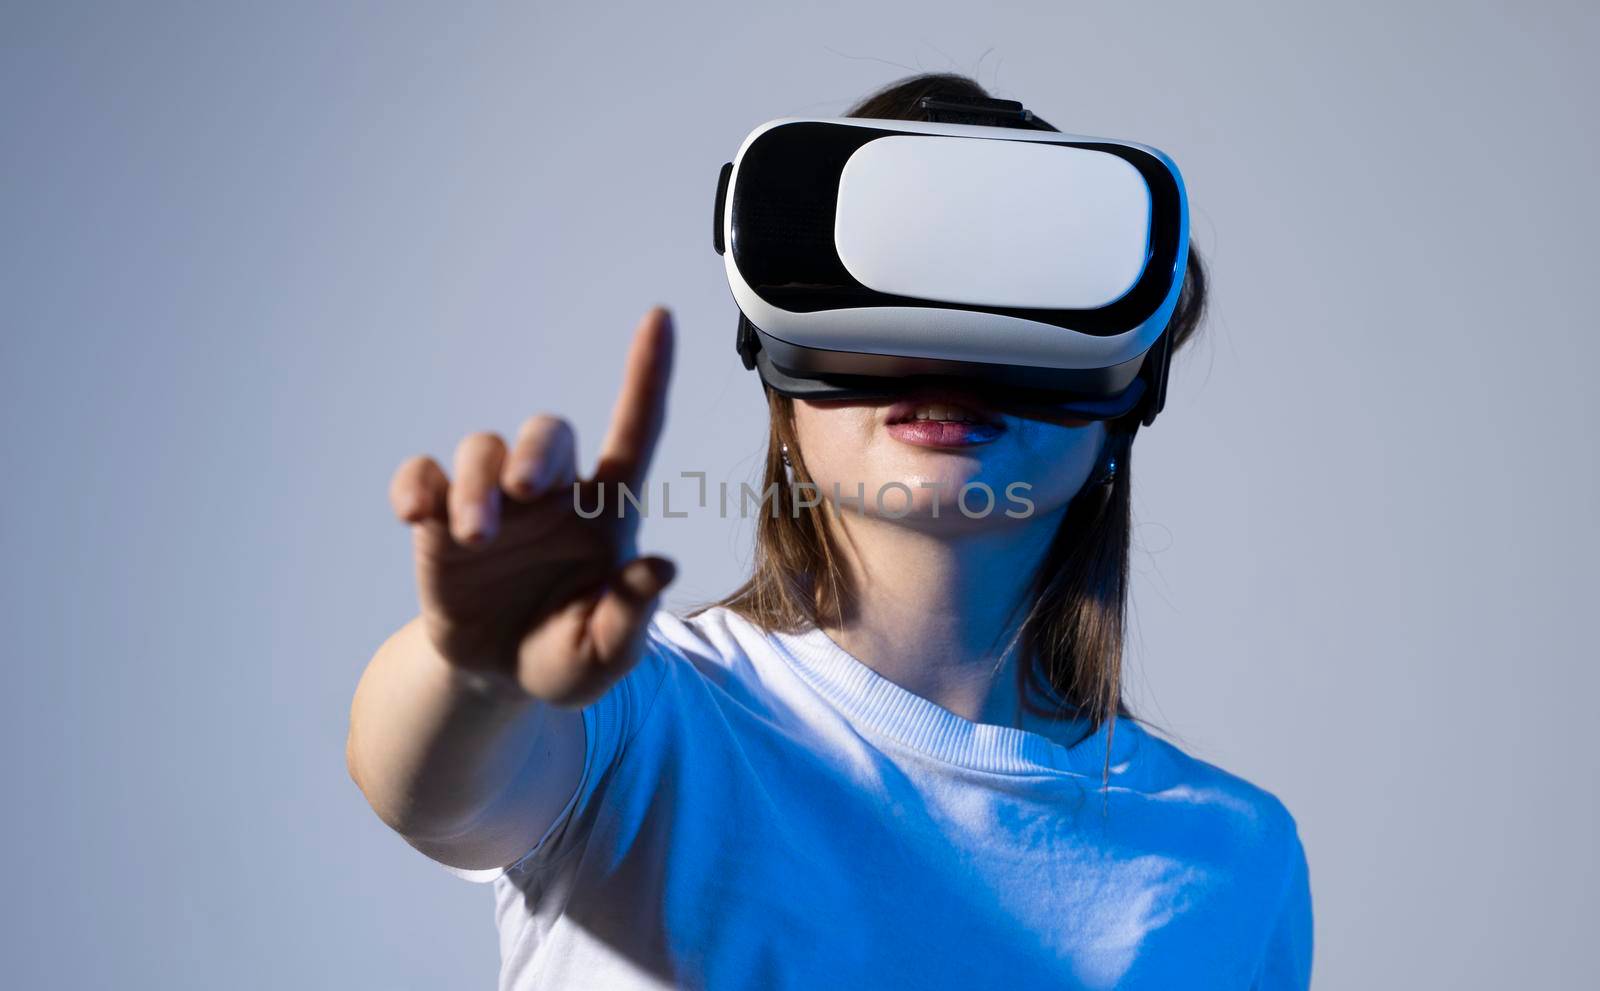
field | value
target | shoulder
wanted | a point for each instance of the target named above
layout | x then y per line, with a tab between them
1224	811
715	640
714	654
1243	838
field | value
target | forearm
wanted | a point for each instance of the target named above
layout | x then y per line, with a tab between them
435	750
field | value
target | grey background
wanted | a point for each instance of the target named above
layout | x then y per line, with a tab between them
254	256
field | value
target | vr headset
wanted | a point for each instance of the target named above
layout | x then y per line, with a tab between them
980	248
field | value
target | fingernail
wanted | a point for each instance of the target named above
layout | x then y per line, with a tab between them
532	482
665	339
665	571
469	523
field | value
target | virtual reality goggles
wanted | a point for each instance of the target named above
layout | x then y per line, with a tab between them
1037	268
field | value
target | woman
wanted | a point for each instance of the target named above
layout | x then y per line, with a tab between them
896	757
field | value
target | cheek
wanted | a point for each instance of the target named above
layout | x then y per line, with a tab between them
844	445
1054	460
837	443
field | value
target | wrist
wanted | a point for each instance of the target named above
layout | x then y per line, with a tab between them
479	685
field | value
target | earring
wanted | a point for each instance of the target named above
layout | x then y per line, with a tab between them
1110	474
784	452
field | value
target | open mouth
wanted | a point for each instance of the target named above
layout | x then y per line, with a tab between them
945	407
943	420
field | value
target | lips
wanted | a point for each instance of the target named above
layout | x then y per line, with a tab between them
943	406
943	419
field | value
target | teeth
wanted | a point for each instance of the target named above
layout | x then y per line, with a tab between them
948	413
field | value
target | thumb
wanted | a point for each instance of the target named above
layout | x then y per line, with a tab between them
624	608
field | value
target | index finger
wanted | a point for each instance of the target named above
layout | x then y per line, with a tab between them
640	410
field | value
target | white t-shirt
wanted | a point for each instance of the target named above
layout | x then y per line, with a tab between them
763	810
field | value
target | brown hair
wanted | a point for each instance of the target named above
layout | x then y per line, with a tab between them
1070	640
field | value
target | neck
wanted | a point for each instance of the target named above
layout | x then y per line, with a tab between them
935	614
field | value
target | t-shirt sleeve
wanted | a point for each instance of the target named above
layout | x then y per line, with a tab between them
609	726
1286	965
